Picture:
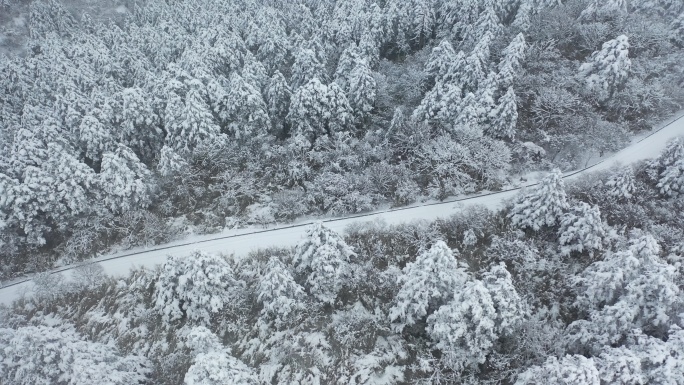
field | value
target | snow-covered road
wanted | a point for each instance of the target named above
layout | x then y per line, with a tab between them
241	242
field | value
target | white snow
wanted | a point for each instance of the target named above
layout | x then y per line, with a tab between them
241	242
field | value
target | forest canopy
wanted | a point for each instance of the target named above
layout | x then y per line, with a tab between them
208	114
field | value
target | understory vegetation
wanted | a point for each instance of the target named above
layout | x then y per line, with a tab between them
197	115
577	285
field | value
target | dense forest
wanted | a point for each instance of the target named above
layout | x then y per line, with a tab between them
169	117
201	115
576	285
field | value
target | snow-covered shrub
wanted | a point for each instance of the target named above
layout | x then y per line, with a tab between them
569	370
48	355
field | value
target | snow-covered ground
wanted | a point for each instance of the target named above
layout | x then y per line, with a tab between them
241	242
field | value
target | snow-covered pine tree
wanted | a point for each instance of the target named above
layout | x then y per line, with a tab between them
677	30
317	109
273	52
362	91
504	117
671	167
322	260
278	95
125	181
630	289
582	230
441	61
280	295
661	361
621	184
543	206
254	73
93	138
523	17
426	284
457	18
369	48
189	124
606	71
439	105
213	364
349	59
509	306
246	111
170	163
511	63
196	288
488	21
306	67
476	64
139	123
464	329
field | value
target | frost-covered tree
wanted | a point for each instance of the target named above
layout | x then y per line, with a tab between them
139	123
511	63
246	114
543	206
662	362
671	167
213	364
278	94
278	292
51	355
349	59
629	289
318	109
442	104
606	71
582	230
254	73
93	137
322	258
621	184
425	284
475	69
170	163
441	61
504	117
523	21
306	67
51	190
487	21
189	124
604	10
464	329
677	30
509	306
362	90
196	288
125	181
620	366
569	370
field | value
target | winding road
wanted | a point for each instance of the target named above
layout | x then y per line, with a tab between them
241	242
